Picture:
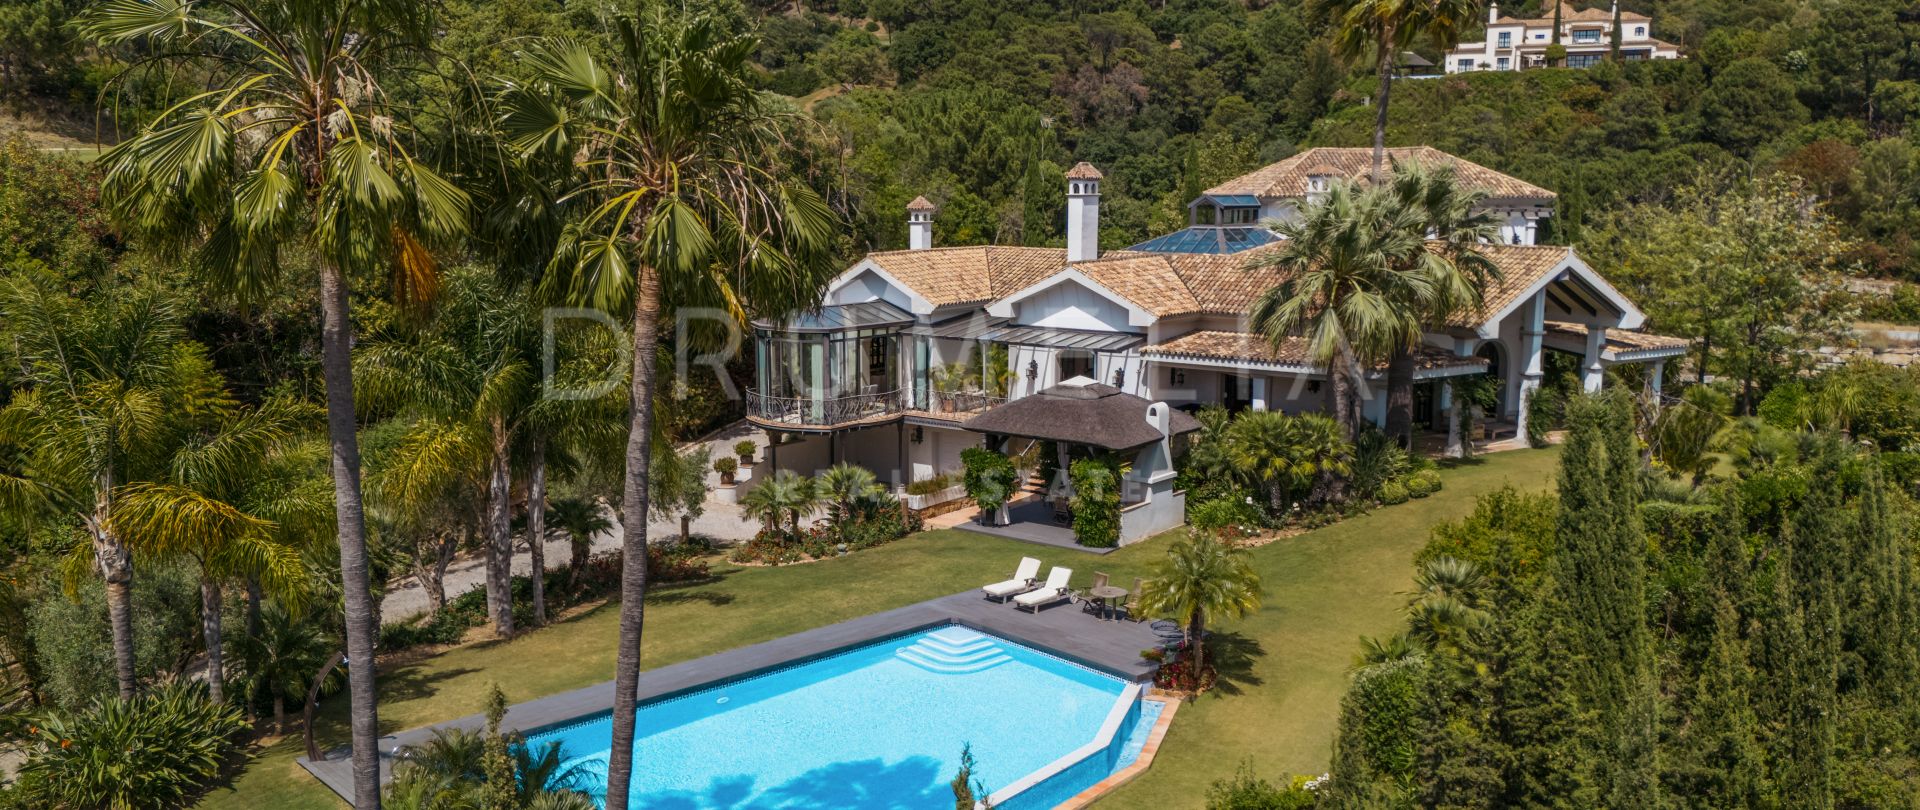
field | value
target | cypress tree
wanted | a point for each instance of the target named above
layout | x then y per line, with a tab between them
1601	571
1722	762
1883	618
1542	724
1810	648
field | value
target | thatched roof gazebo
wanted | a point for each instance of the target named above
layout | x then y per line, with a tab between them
1080	411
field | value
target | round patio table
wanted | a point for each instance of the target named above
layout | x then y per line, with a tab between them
1107	594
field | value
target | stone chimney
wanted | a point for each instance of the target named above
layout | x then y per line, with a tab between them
919	224
1083	213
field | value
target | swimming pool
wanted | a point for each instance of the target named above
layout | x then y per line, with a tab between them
877	726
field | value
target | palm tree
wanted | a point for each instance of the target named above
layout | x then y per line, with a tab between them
1201	579
581	520
1445	616
852	492
1287	453
1450	216
1381	29
785	496
1390	650
1343	268
91	419
293	142
473	376
201	505
278	661
677	174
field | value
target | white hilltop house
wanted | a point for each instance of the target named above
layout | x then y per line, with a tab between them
1587	35
907	346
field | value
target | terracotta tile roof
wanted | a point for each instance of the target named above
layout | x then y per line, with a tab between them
1083	171
1568	14
1521	267
1621	341
920	204
964	275
1288	178
1248	347
1163	284
1196	284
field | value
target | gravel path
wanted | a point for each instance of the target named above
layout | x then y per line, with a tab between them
720	521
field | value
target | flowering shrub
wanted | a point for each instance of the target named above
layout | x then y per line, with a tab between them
1181	674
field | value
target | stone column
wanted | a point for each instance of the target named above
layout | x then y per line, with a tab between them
1447	406
1656	376
1532	332
1593	370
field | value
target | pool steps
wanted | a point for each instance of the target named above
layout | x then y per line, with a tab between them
955	651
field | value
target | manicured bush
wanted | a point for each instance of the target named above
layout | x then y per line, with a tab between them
1423	483
989	477
154	751
1096	503
1393	492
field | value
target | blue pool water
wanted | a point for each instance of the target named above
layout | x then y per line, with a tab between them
880	726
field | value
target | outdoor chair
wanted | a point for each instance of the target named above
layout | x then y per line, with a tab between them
1132	607
1086	596
1054	591
1023	580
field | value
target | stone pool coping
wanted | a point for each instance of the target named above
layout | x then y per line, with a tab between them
1140	763
1062	630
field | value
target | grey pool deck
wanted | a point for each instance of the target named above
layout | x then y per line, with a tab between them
1063	629
1032	522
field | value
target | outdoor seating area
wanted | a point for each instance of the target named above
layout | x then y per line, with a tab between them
1103	599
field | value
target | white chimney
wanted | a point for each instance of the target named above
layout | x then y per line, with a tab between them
1493	12
919	224
1083	213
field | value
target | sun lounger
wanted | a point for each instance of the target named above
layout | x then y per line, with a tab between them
1023	581
1054	591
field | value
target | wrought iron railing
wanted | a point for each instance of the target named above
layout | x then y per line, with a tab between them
825	410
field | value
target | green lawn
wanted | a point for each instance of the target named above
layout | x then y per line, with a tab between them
1323	590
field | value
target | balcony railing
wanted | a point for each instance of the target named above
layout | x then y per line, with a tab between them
807	411
863	407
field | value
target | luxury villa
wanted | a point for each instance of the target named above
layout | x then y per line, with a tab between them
1587	36
909	350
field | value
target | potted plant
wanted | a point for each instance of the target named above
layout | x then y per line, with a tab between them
744	449
725	466
948	380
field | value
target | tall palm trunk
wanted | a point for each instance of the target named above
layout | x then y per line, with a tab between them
499	536
1197	636
1400	396
336	363
1385	70
116	571
633	531
1343	396
253	607
537	527
211	631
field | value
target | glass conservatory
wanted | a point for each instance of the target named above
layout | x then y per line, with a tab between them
834	366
